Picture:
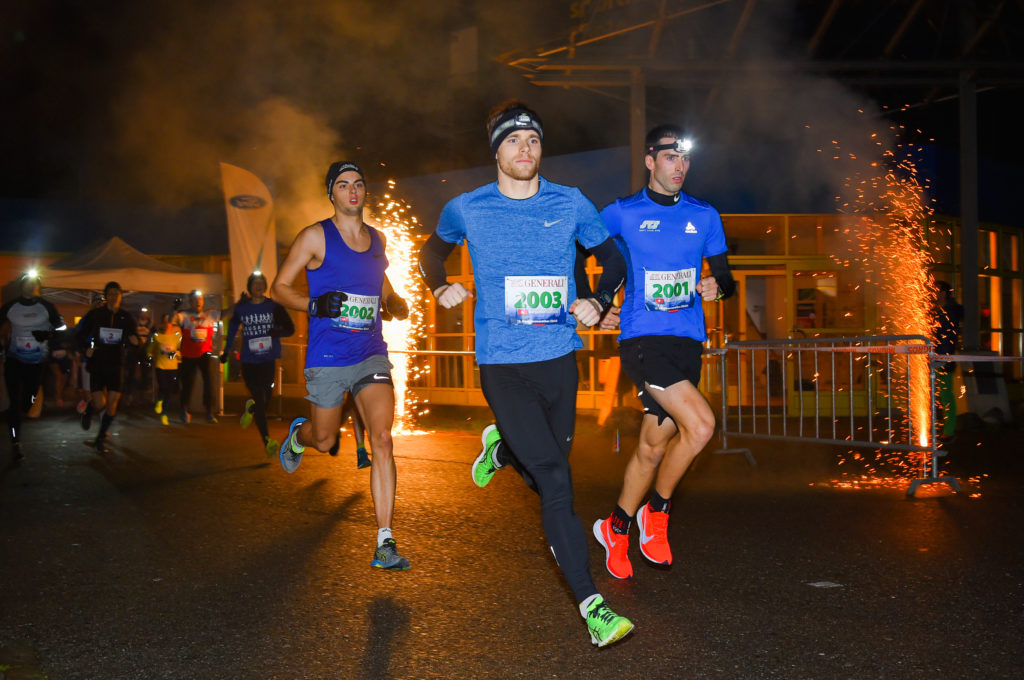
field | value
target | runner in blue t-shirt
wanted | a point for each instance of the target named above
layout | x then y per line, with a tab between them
665	235
263	323
521	233
344	261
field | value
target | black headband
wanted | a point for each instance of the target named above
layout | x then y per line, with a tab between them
512	120
680	145
338	168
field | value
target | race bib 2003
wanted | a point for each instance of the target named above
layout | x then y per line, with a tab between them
536	300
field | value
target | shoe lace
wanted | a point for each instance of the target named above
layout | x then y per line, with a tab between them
658	521
603	613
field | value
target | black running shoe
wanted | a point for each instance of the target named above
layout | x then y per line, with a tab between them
86	418
16	450
101	445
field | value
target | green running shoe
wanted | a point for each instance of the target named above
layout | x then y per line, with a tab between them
485	466
387	557
272	446
159	408
606	626
247	413
290	455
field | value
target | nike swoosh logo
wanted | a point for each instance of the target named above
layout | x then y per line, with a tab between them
644	537
551	224
379	377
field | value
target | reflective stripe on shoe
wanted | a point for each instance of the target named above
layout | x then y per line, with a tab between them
484	466
654	535
616	549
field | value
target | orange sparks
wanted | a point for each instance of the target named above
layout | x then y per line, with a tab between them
393	217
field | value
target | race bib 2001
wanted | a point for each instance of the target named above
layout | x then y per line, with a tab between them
358	313
669	291
536	300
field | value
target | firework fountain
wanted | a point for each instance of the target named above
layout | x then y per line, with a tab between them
393	216
889	218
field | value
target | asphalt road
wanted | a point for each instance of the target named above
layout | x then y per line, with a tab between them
185	553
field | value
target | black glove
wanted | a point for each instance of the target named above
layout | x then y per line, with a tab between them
224	357
327	305
41	336
396	306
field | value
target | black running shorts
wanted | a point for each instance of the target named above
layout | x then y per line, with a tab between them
660	361
105	376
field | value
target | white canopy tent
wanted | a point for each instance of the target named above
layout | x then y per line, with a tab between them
74	279
115	260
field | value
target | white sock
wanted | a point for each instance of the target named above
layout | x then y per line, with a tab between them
383	535
585	605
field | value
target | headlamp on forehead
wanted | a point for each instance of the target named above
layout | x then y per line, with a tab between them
515	119
683	146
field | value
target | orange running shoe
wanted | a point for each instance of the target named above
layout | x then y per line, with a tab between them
616	549
654	535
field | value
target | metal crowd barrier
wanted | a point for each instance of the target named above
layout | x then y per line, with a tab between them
840	391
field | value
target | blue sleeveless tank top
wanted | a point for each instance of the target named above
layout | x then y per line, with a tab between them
355	334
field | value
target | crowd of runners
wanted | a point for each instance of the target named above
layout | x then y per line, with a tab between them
663	249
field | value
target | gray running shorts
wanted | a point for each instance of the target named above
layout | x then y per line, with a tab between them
327	385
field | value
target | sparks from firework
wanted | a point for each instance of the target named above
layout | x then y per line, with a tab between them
393	216
890	216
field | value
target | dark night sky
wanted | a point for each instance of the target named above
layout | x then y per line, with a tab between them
136	103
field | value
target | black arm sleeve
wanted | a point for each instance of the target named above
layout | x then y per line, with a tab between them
56	320
432	256
283	321
613	271
723	275
579	273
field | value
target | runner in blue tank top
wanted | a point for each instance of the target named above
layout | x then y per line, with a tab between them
665	236
521	233
344	261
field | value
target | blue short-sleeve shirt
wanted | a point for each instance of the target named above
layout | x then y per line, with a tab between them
523	252
664	247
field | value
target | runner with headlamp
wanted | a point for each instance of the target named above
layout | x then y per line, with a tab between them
27	322
664	235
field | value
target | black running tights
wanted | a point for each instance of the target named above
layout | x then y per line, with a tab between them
259	378
535	406
22	381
